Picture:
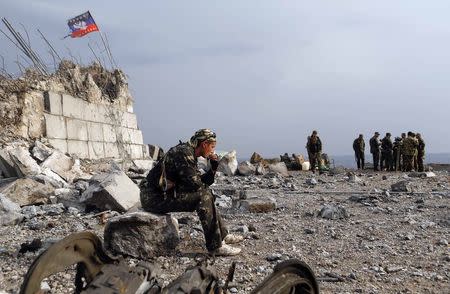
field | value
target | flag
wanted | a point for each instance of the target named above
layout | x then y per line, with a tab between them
81	25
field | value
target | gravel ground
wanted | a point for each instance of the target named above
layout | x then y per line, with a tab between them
389	243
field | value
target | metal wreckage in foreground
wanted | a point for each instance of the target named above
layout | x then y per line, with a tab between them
97	272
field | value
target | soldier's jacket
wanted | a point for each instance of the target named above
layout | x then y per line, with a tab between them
181	169
359	145
374	144
314	145
386	145
409	146
421	147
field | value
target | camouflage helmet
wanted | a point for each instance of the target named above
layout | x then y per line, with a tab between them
202	135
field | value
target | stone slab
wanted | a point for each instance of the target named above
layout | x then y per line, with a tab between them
55	126
136	151
96	150
55	103
79	148
95	131
60	144
111	150
129	120
73	107
109	133
76	129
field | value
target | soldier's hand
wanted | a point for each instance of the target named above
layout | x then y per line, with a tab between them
214	161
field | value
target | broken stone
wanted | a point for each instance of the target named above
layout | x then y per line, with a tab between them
228	163
311	182
203	164
111	191
223	201
142	235
330	211
49	177
279	168
260	169
402	186
59	163
245	168
256	205
24	164
422	174
7	164
144	164
306	165
10	212
256	158
27	191
40	151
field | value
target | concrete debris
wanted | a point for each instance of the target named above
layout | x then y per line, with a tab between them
245	168
156	152
260	169
59	163
26	191
256	205
402	186
40	151
228	164
7	168
333	212
24	164
256	158
10	213
111	191
429	174
142	235
279	168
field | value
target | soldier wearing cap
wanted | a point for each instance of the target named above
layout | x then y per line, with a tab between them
175	184
375	150
314	148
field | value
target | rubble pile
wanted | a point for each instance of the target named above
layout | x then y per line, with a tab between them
359	231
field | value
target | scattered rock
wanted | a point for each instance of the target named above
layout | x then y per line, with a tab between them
330	211
245	168
40	151
280	168
256	205
27	191
10	212
402	186
422	174
228	164
59	163
141	235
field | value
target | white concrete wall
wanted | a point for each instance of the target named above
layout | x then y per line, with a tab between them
92	130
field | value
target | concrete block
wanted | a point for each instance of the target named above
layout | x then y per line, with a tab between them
59	163
54	103
145	151
96	150
135	151
109	133
136	137
129	120
55	126
76	129
73	107
125	135
24	164
142	235
95	113
60	144
111	150
113	116
95	131
79	148
113	190
144	164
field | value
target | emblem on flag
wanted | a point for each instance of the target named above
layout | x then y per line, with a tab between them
81	25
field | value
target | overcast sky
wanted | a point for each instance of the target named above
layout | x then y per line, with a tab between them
264	74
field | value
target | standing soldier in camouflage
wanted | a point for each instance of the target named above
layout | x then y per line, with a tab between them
416	153
359	146
402	160
314	148
421	152
386	153
409	147
375	150
175	184
396	153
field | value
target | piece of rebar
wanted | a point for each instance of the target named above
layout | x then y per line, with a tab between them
49	45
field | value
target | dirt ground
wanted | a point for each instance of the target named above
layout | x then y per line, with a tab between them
389	243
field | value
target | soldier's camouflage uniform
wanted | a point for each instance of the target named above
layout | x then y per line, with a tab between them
408	149
375	150
387	154
314	148
190	192
359	146
416	153
420	154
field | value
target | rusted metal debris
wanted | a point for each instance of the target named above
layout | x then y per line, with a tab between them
98	272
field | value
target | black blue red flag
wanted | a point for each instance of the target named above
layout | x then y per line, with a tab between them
81	25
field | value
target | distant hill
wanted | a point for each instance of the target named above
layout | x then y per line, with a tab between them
349	160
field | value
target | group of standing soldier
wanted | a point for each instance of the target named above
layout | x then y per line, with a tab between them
405	153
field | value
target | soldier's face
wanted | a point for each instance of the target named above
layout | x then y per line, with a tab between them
208	148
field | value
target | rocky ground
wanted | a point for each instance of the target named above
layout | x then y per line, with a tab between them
356	234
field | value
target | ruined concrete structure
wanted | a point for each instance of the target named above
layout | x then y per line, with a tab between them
83	111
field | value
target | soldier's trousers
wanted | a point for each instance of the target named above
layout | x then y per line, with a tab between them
201	201
420	158
314	159
376	160
408	162
386	161
359	159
